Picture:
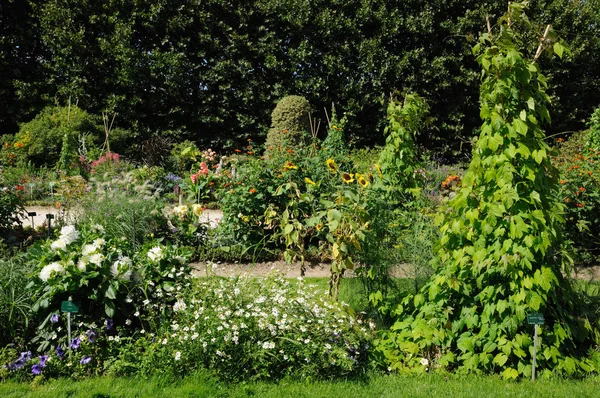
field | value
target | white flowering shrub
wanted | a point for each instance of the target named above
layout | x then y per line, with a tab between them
107	279
249	328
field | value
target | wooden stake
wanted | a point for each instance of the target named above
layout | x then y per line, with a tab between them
541	46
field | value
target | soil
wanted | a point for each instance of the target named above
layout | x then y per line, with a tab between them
321	270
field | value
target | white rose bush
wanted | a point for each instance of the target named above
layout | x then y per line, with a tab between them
106	278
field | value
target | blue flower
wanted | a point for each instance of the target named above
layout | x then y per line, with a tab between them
91	335
60	352
172	177
43	359
75	343
54	318
36	369
86	359
109	323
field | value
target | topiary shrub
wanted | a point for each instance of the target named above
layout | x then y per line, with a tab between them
41	139
289	123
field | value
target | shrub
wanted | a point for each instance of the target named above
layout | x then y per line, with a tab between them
106	277
11	208
580	192
593	137
40	139
289	124
124	206
248	328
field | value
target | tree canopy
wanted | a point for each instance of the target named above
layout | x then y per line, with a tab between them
212	71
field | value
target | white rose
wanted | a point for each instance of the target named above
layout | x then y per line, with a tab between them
156	254
59	244
50	270
96	258
86	250
69	234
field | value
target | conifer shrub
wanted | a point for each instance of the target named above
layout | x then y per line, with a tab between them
290	124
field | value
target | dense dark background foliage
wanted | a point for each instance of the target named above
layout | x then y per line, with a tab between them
211	71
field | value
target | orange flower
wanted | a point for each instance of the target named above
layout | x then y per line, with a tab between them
290	151
252	190
563	182
250	153
18	145
237	150
285	131
582	189
579	204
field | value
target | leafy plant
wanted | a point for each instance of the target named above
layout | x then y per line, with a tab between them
500	255
15	300
289	124
398	158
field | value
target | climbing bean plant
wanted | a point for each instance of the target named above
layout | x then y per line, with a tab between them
500	255
398	158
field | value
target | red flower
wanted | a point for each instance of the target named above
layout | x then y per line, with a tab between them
19	188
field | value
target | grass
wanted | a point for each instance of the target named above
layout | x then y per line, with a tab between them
202	385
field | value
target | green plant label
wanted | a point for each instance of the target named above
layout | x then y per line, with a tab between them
535	319
69	306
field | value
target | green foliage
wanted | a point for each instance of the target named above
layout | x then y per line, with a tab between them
580	192
41	138
335	145
11	207
127	208
264	328
593	139
106	276
398	159
290	125
15	300
500	255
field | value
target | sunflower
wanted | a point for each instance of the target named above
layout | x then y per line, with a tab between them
378	170
347	178
332	166
362	180
309	181
289	166
319	227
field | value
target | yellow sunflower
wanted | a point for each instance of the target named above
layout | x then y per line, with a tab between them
289	166
319	227
378	169
362	180
309	181
348	177
332	166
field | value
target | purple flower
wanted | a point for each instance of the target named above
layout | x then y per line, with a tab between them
75	343
43	359
91	335
36	369
60	352
26	355
109	323
54	318
86	359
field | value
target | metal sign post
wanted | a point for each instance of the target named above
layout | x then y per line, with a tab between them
69	307
49	217
32	214
535	319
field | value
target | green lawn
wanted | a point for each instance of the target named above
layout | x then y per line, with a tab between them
202	385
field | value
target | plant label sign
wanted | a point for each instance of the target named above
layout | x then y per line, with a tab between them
535	319
69	306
